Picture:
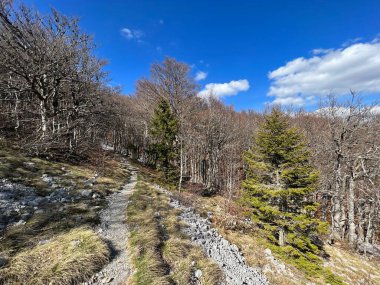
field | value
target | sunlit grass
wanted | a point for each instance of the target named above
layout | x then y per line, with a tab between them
20	242
66	259
160	253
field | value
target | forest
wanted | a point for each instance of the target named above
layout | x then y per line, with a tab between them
305	177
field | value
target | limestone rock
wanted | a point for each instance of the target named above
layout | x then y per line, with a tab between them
226	255
198	273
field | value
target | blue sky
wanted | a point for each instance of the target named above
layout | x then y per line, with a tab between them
295	51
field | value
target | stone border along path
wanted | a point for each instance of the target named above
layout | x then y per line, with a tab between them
226	255
115	232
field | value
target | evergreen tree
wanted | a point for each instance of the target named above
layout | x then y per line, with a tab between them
278	184
164	130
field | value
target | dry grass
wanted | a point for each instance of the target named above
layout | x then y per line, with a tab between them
44	225
14	166
253	251
160	253
153	176
245	236
57	219
353	268
145	240
185	258
69	258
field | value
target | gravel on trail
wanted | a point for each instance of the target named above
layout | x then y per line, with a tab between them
115	232
226	255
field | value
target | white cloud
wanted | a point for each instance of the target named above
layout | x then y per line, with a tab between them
352	41
320	51
355	67
293	101
132	34
224	89
201	75
127	33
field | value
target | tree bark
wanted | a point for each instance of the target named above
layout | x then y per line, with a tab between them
281	237
370	229
351	210
43	114
336	215
181	165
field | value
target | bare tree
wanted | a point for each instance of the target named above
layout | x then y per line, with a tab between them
47	68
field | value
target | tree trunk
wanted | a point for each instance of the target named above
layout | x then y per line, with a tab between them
370	229
336	215
281	237
43	114
181	166
277	177
342	223
351	210
362	220
16	112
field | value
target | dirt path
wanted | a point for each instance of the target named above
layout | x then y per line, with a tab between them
114	230
226	255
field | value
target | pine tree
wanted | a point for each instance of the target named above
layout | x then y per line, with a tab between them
278	184
164	130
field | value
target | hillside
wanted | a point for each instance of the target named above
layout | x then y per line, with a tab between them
64	238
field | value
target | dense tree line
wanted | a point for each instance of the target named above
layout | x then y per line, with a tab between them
51	85
343	140
54	100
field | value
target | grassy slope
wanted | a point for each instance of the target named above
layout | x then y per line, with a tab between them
22	245
349	266
66	259
227	217
160	253
57	224
352	267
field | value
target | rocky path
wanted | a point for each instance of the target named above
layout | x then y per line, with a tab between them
225	254
114	230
